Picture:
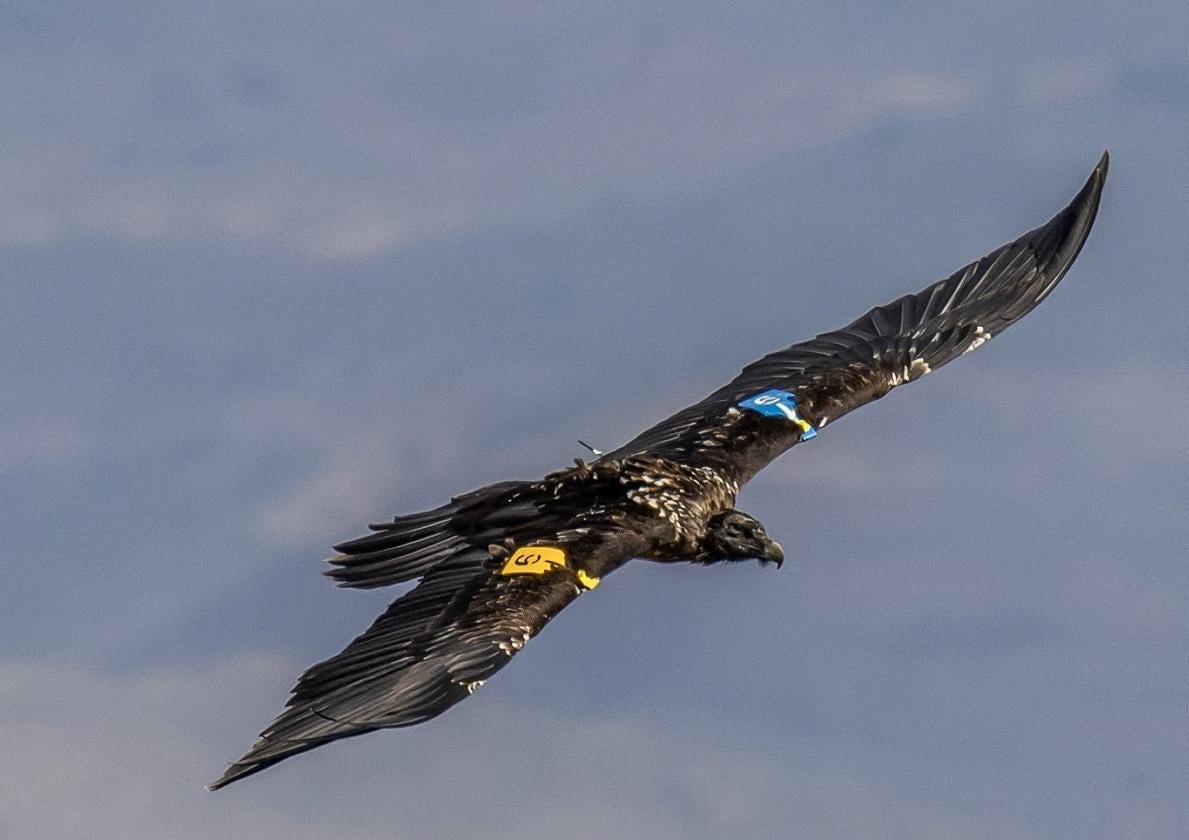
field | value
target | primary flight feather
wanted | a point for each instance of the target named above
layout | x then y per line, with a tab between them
495	565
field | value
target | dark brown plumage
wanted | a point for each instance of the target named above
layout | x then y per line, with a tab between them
495	565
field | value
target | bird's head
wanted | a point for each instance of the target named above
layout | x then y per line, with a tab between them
733	535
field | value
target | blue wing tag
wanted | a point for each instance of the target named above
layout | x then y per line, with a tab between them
782	404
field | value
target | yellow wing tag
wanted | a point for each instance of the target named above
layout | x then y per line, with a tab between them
534	560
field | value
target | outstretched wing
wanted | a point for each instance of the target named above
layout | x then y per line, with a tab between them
433	647
810	384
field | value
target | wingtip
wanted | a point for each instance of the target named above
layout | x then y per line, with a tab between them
234	772
224	780
1088	197
1072	225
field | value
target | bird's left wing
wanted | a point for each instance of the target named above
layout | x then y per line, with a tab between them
788	395
432	647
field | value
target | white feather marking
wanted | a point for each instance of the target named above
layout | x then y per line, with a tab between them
981	336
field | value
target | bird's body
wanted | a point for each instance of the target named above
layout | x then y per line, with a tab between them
495	565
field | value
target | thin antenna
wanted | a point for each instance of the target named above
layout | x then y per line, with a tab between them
591	448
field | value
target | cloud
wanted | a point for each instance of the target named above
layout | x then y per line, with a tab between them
358	461
89	754
126	756
925	92
912	741
349	479
204	136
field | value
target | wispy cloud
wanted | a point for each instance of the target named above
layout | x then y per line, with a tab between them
126	755
350	162
359	461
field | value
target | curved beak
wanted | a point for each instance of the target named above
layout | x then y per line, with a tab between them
773	553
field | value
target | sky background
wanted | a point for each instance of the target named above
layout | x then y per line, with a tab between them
271	271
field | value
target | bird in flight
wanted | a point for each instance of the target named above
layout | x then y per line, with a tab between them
496	564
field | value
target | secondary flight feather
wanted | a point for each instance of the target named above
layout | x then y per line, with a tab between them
496	564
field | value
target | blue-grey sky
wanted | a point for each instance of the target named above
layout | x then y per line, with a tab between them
275	270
